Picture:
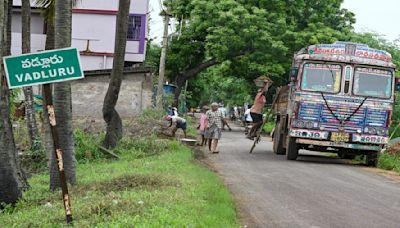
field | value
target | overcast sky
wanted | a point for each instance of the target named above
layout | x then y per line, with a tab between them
380	16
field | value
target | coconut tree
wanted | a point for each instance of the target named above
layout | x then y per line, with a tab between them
29	105
10	181
110	115
58	16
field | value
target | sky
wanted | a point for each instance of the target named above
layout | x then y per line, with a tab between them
379	16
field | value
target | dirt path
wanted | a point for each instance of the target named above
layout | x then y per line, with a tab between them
315	191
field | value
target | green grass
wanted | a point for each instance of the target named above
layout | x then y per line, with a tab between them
268	127
389	162
169	189
191	126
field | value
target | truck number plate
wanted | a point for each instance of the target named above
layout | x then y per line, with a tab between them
340	137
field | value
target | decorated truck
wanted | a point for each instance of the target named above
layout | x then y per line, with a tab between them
340	99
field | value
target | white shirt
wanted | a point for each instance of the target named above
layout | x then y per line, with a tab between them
248	116
177	119
223	111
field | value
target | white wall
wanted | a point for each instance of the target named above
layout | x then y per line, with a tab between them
37	23
137	6
102	32
18	2
38	43
98	28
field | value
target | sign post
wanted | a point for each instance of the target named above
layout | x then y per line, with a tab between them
45	68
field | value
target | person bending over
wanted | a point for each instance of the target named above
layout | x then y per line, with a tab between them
176	123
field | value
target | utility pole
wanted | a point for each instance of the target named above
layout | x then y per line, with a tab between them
161	73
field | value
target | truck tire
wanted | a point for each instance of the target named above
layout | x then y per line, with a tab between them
278	140
372	159
292	149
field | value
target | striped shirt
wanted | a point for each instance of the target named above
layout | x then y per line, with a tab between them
214	118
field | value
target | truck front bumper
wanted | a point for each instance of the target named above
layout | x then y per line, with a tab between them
339	144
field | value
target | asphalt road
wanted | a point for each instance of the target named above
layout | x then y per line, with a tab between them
315	191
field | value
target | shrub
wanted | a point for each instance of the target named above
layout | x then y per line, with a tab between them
268	127
389	162
86	146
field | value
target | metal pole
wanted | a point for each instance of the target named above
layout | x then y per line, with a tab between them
48	97
163	57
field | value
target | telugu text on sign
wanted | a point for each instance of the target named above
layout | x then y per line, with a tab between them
43	67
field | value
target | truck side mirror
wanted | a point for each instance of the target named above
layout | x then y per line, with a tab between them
293	74
397	85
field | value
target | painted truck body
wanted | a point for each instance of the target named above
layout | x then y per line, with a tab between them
340	99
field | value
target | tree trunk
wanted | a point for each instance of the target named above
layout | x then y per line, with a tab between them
8	5
10	190
50	36
110	115
189	74
29	104
180	83
47	136
62	97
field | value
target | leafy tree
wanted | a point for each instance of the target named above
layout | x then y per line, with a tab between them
152	55
256	37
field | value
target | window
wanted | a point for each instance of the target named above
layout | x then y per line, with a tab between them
372	82
135	27
321	77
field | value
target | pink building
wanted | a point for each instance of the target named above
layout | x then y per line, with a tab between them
93	31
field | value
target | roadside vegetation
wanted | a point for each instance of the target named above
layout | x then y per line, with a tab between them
156	182
390	158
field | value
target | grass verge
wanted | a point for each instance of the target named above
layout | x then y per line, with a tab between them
389	162
169	189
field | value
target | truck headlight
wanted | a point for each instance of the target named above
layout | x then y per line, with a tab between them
381	131
370	130
299	124
309	124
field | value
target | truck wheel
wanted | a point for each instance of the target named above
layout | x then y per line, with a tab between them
372	159
292	149
278	140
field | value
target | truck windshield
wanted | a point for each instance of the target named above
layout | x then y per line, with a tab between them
321	77
372	82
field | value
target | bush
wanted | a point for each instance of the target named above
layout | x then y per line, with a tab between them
150	115
389	162
141	147
86	146
268	127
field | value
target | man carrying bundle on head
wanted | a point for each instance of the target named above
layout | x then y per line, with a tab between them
256	111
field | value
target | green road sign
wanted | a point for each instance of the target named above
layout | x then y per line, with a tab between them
43	67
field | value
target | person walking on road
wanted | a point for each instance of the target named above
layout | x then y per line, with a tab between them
247	119
214	128
256	111
203	125
222	109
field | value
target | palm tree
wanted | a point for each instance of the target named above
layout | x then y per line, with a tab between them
58	15
10	180
110	115
29	105
62	91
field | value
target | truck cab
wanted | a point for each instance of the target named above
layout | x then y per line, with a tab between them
340	99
